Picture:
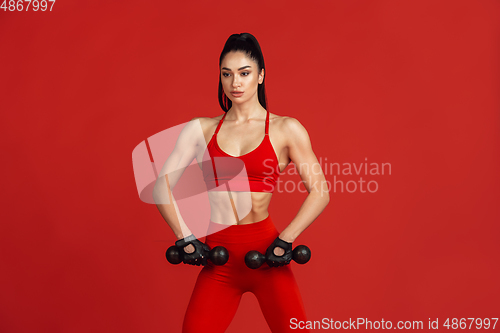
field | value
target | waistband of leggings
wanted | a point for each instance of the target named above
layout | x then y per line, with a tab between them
241	233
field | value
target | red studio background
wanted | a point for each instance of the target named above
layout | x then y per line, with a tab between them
414	84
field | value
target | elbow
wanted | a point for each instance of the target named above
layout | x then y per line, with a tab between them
160	194
321	196
325	193
327	198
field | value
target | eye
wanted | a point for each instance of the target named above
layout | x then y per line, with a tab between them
225	74
245	73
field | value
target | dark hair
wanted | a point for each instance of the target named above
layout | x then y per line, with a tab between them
248	44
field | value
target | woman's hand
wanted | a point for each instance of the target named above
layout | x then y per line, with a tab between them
194	251
279	253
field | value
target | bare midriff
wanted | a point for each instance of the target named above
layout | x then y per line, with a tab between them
238	207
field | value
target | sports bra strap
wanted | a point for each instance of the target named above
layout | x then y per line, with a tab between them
220	123
267	123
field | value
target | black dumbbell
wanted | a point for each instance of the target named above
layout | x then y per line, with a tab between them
218	255
254	259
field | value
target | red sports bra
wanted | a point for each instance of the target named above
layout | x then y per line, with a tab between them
261	165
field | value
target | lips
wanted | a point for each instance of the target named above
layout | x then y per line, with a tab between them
237	93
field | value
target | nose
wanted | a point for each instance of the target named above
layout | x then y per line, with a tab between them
236	82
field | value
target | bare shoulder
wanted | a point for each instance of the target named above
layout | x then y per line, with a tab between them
289	128
208	120
219	117
207	123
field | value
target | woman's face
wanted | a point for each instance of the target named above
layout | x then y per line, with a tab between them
240	77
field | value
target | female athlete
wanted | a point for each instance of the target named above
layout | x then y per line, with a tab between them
263	142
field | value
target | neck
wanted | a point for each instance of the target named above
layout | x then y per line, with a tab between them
246	111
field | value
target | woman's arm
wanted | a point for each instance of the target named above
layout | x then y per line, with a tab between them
301	153
170	211
188	143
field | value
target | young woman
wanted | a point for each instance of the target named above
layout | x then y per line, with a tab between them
263	142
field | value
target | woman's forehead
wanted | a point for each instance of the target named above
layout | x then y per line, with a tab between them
237	59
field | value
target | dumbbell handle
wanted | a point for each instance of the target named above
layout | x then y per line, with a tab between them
218	255
301	255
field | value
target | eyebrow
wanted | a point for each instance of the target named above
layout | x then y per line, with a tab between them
238	68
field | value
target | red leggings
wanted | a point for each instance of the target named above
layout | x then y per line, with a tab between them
218	289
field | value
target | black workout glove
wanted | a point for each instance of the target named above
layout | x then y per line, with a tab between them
276	261
200	254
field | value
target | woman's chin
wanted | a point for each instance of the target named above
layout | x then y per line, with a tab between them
238	101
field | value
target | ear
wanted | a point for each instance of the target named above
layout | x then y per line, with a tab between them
261	76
